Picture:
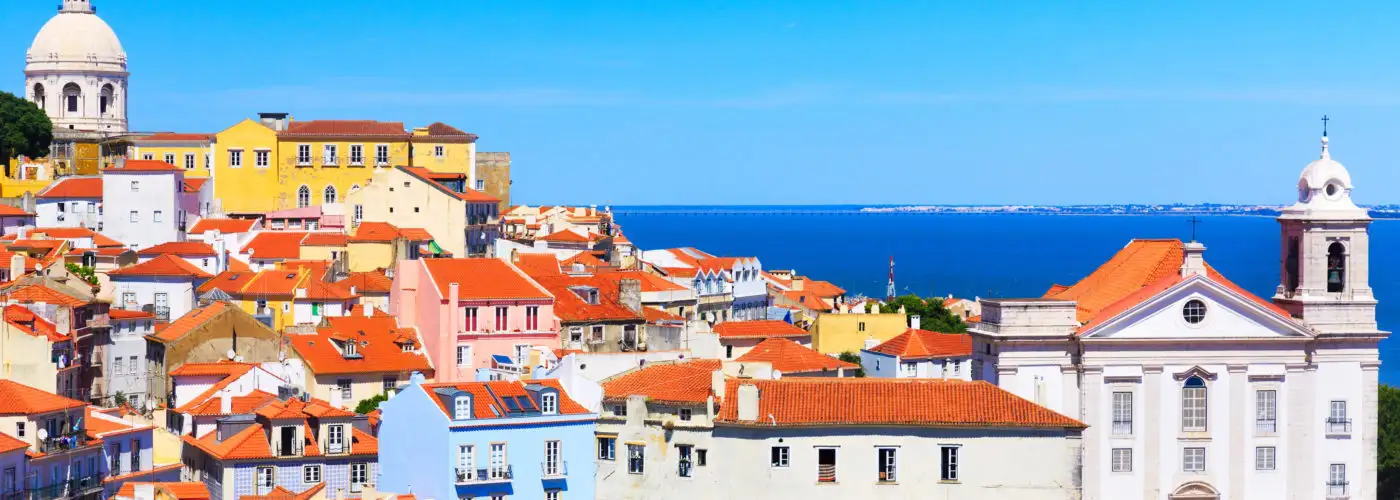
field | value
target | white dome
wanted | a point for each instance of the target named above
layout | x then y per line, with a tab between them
1325	170
76	36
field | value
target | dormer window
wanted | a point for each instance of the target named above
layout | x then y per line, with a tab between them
462	407
408	347
549	403
588	294
347	348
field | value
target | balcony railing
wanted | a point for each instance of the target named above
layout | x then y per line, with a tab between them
484	475
99	321
335	448
826	473
294	450
1122	427
162	313
70	488
66	441
1266	425
1337	489
557	469
1337	425
684	467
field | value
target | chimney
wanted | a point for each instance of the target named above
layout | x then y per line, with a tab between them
914	321
274	121
717	382
225	403
145	491
63	321
636	409
366	308
797	282
454	323
16	266
1194	263
871	343
220	254
629	292
748	402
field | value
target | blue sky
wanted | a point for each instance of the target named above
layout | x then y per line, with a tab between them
803	102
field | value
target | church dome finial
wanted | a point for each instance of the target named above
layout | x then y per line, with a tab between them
1325	154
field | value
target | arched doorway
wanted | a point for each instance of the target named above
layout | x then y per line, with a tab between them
1195	490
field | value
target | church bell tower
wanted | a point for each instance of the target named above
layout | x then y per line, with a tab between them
1325	247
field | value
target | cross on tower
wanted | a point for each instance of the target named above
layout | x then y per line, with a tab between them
1194	221
1324	125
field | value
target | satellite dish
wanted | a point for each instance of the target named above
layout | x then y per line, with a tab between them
232	354
238	359
150	405
43	434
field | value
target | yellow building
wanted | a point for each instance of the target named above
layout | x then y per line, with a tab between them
443	148
834	333
247	181
192	152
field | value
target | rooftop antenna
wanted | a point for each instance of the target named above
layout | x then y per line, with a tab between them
889	288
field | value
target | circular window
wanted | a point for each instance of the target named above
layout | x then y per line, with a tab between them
1194	311
1332	190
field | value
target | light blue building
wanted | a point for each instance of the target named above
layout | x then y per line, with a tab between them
521	440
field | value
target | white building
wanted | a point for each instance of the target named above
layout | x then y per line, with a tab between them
126	368
1194	388
76	71
143	202
70	202
920	354
166	286
204	256
735	283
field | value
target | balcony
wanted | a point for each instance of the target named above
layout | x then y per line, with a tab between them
554	470
65	489
73	440
1337	490
331	161
99	321
1265	426
684	468
484	476
1122	427
336	448
1337	426
162	313
292	450
826	473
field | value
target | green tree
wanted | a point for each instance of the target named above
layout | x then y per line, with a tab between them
932	315
24	129
87	274
1388	453
851	357
119	399
370	404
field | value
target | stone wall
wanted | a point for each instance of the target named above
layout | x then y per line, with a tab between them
494	169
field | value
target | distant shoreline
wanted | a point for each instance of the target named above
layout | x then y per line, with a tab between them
1377	212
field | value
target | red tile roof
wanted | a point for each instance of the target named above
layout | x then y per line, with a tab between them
923	344
20	399
68	233
209	406
274	283
366	282
275	245
280	493
654	315
73	187
683	382
121	314
141	166
99	426
790	357
823	289
230	282
252	443
415	234
440	130
180	248
570	307
223	225
180	491
758	329
9	444
565	236
486	396
9	211
324	239
194	184
650	282
431	178
224	368
316	289
377	350
375	232
165	265
537	264
587	260
189	322
482	278
801	401
344	128
173	136
39	293
24	320
807	299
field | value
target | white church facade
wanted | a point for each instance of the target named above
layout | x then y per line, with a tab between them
76	71
1192	387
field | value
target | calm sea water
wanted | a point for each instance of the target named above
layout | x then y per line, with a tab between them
985	255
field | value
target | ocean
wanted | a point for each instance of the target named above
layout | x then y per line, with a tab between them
985	255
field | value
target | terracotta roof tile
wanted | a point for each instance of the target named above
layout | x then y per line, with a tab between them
164	265
194	184
375	232
654	315
415	234
482	278
74	187
650	282
325	239
758	329
440	129
320	290
273	283
275	245
180	248
538	264
823	289
20	399
141	166
180	491
9	444
376	352
190	321
486	396
565	236
432	178
570	307
173	136
683	382
366	282
344	128
230	282
807	299
223	225
39	293
790	357
801	401
923	344
24	320
120	314
9	211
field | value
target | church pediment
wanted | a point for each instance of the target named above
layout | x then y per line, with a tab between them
1198	308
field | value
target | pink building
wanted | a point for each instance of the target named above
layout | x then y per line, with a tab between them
475	314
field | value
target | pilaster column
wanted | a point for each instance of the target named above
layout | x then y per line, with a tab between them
1370	418
1301	427
1152	432
1239	464
1093	436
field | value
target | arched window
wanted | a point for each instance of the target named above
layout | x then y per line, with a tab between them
303	197
1290	266
329	194
1336	267
462	407
72	93
1193	405
106	99
39	95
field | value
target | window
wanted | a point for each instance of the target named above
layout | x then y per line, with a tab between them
391	382
381	155
949	463
549	403
464	356
148	156
264	477
235	158
1337	480
105	99
1122	460
330	154
71	93
357	154
359	473
1336	267
189	161
466	463
684	462
502	319
552	461
635	455
1266	411
1194	311
498	461
261	158
826	465
607	446
359	213
779	456
311	474
886	465
685	414
861	326
1193	460
335	438
303	197
551	495
480	185
329	194
462	408
135	186
344	383
131	365
1122	413
1264	458
469	319
439	151
170	158
1193	405
729	351
157	216
303	154
135	217
700	455
19	429
1337	421
532	318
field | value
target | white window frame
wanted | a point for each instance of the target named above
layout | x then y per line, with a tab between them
685	414
170	158
357	155
464	355
948	462
887	465
262	158
1122	413
553	458
235	158
1195	407
1193	459
189	161
780	456
607	447
1266	411
1265	458
1121	460
330	154
497	465
639	453
135	186
439	151
311	474
148	156
267	473
304	155
462	407
135	216
156	216
466	460
381	155
549	403
362	472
